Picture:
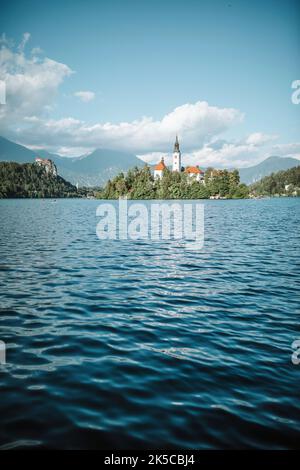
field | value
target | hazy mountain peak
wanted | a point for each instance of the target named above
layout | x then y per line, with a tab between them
266	167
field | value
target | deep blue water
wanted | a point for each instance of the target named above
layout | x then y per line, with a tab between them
122	344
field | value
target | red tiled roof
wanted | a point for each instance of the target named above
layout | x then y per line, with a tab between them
160	166
193	169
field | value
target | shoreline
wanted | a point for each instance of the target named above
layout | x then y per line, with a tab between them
167	199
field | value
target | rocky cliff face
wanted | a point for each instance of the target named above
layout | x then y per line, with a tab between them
48	165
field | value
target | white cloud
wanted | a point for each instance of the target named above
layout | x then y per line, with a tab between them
258	138
287	150
194	123
31	83
85	96
25	39
230	154
62	151
153	157
5	41
36	51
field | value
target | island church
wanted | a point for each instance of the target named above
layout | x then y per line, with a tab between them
192	171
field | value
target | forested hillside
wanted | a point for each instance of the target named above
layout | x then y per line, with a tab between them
29	180
280	183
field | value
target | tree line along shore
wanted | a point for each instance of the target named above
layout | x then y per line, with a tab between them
29	180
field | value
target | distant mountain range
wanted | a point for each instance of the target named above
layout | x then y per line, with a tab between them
90	170
102	164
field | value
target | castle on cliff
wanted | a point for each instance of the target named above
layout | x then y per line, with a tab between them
47	164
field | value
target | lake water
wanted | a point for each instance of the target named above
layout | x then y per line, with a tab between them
123	344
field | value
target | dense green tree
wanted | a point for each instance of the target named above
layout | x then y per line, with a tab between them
241	192
281	183
29	180
139	183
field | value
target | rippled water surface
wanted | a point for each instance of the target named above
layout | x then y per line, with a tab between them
122	344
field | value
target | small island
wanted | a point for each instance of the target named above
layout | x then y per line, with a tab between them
139	183
179	182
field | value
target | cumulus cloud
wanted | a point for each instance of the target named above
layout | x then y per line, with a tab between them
25	39
36	51
5	41
31	83
228	155
153	157
287	150
85	96
258	138
194	123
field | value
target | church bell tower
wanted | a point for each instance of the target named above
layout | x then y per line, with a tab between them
176	156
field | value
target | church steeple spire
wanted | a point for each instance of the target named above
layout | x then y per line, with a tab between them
176	145
176	156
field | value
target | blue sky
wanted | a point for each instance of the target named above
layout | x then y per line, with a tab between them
148	58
